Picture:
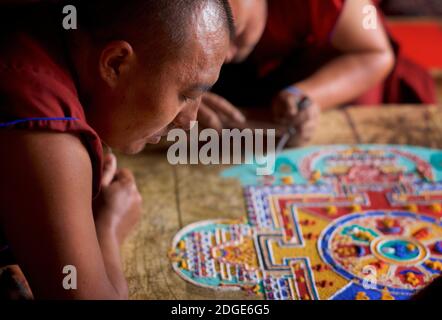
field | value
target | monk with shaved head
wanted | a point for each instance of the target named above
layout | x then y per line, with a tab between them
131	71
298	58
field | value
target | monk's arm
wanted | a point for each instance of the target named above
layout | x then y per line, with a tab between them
366	59
46	215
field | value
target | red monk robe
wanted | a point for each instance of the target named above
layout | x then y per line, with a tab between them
296	42
38	94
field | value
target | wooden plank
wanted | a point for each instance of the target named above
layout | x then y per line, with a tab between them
411	125
435	124
146	264
334	128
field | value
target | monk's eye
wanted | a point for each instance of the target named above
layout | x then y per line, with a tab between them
186	98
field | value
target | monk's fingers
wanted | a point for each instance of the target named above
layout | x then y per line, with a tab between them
125	177
310	114
285	109
300	119
209	119
224	108
109	169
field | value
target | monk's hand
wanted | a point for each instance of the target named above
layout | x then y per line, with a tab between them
217	113
286	111
118	207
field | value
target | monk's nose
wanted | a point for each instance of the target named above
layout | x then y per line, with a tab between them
184	119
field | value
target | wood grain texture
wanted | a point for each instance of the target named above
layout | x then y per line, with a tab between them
334	128
409	125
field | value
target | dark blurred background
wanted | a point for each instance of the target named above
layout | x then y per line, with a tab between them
412	7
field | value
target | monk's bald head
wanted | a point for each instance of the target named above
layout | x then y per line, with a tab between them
161	24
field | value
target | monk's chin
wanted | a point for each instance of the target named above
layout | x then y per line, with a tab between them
138	146
134	148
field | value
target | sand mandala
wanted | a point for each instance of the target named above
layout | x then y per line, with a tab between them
341	222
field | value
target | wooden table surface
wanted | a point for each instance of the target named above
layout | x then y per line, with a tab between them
175	196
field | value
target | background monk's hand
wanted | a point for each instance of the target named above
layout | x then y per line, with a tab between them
216	112
286	112
118	207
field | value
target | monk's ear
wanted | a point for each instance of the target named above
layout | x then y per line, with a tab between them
116	59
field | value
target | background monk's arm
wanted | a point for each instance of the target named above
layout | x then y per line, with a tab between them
46	214
366	59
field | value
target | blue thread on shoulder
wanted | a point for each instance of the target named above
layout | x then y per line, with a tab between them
12	123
